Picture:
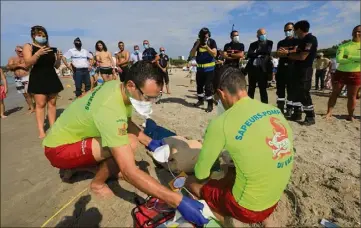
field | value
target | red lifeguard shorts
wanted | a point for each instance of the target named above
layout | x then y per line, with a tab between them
71	156
218	195
347	78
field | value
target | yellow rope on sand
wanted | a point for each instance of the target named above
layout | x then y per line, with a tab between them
63	207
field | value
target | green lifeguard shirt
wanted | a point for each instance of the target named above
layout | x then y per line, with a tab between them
101	113
260	143
352	62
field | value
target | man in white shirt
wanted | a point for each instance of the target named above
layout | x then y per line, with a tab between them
80	66
136	55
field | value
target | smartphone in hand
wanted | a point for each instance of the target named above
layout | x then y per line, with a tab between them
55	50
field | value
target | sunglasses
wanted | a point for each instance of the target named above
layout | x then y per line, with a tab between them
287	30
146	97
162	50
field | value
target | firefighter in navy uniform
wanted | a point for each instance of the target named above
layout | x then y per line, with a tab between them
285	70
304	57
205	50
233	51
163	65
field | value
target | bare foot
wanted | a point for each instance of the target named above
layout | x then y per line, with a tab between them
102	191
42	135
3	116
328	116
31	111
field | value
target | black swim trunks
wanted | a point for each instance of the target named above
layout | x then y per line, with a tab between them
106	70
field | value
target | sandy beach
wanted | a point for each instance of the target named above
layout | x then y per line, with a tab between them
325	181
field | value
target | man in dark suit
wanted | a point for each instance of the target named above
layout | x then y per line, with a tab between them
259	65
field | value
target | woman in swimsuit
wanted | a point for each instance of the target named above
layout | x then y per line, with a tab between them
105	61
44	83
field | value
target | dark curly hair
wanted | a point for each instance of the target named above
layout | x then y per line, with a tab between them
102	43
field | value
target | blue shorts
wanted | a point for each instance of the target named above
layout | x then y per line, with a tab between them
274	70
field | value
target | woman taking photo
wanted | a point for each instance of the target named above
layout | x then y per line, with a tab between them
44	83
347	73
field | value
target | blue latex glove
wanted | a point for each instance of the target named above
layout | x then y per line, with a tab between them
191	211
154	144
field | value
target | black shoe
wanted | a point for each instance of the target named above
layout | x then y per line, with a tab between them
288	113
296	116
309	121
199	103
210	106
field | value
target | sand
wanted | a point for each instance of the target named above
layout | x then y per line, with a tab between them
325	182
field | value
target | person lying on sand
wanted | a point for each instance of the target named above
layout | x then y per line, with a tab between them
97	129
260	142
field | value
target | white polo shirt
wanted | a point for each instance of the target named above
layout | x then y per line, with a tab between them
79	59
134	58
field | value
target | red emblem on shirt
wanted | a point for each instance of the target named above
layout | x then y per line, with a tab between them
279	142
123	130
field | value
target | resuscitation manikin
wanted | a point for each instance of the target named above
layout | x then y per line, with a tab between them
183	153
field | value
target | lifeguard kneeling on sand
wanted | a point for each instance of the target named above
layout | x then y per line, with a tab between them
260	143
97	129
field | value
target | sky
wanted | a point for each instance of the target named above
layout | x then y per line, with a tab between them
171	24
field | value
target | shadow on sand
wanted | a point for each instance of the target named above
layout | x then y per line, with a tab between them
58	113
13	110
178	101
82	217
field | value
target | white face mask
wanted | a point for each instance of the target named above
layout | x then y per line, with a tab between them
235	39
144	108
220	108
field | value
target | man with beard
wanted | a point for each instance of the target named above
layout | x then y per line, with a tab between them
285	70
122	61
259	65
21	72
80	65
233	51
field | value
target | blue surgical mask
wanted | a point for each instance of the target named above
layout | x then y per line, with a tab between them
262	37
146	46
289	33
40	39
136	51
162	52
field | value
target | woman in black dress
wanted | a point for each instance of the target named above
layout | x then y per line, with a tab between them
44	83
